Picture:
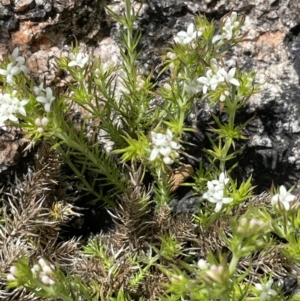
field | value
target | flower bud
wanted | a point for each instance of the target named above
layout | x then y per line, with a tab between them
37	121
243	221
47	270
10	277
215	273
254	223
171	55
44	121
45	279
13	270
202	264
42	262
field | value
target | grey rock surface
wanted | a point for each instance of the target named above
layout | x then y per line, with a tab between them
43	28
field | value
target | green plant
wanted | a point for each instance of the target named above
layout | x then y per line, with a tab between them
128	161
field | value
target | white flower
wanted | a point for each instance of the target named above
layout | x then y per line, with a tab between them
40	90
80	60
47	98
213	77
229	76
192	87
221	182
19	61
15	66
210	81
18	105
218	199
216	75
183	37
9	72
266	290
215	192
229	29
230	24
10	106
15	59
283	197
164	145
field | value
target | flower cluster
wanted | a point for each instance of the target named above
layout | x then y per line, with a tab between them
15	67
163	145
283	199
216	75
44	95
10	106
41	123
13	274
211	272
185	37
215	192
44	271
80	60
247	226
230	28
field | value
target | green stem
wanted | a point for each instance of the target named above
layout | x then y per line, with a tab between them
233	263
231	107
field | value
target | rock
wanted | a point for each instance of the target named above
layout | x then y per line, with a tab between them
5	2
271	49
21	5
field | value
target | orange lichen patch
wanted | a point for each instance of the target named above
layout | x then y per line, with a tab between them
28	30
38	61
180	175
270	39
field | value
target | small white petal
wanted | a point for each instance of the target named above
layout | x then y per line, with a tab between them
190	29
10	277
218	207
20	60
259	286
165	151
154	154
72	64
24	69
169	135
168	160
181	34
231	72
3	72
22	111
175	145
235	82
47	107
15	70
42	99
227	200
216	38
15	52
